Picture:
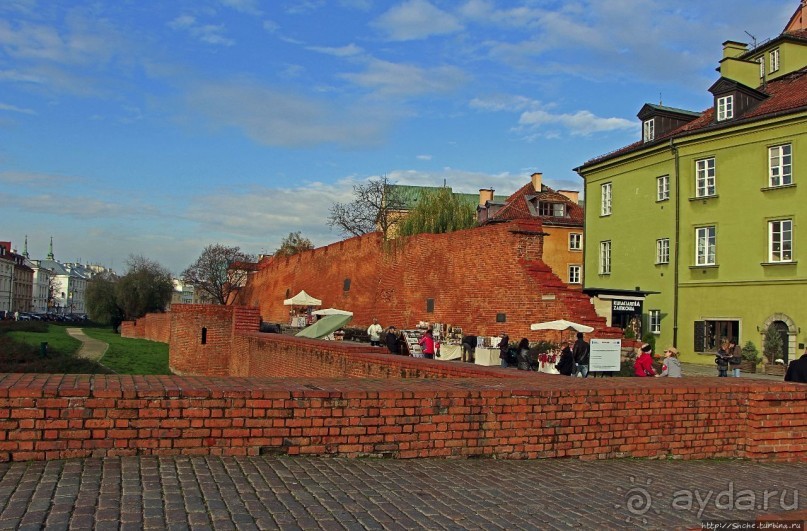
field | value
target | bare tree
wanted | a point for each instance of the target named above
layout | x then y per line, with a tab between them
377	206
294	243
218	271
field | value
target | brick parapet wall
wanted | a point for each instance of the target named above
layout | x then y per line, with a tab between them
274	355
153	326
536	416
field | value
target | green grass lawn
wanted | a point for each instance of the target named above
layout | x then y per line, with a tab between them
131	356
56	337
20	352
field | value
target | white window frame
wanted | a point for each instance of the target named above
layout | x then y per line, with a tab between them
705	177
774	60
663	251
605	199
575	274
780	165
725	108
780	240
654	320
706	246
662	188
649	130
605	257
761	61
575	241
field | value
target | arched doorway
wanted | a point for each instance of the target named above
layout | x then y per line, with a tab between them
786	328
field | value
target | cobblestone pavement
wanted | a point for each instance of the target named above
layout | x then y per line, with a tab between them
321	493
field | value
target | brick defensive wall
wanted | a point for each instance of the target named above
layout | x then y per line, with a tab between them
339	399
470	278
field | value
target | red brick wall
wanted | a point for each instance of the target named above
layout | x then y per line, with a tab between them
273	355
537	416
187	352
472	275
154	326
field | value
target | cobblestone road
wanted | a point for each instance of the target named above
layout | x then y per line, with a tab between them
319	493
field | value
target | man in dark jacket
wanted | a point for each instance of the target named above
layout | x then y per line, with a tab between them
565	364
469	348
582	352
797	370
392	341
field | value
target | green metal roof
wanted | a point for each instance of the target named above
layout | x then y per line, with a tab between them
410	195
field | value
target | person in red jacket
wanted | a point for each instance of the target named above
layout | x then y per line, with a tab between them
644	362
427	344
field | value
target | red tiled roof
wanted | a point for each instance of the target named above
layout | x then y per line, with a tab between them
785	94
516	206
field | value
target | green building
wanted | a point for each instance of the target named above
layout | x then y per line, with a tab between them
692	232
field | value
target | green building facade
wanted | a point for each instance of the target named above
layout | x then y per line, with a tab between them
692	233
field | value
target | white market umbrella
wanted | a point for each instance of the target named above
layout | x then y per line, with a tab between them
561	324
331	311
302	299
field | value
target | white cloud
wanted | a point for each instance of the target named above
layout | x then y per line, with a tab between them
278	118
416	19
398	79
208	33
13	108
578	123
535	116
424	157
342	51
250	7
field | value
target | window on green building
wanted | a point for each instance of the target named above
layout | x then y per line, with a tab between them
663	251
605	258
705	244
705	178
605	199
780	165
780	240
663	188
655	321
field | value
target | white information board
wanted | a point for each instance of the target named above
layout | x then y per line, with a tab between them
606	355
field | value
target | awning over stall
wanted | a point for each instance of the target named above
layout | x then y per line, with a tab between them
302	299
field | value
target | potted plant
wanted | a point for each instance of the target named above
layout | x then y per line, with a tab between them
751	358
772	349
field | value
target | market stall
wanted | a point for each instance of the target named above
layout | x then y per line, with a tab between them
301	306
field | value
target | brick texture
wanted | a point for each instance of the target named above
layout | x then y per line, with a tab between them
471	275
525	417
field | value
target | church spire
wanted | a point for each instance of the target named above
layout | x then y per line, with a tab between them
50	249
25	249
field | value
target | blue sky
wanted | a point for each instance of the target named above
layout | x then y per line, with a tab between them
156	128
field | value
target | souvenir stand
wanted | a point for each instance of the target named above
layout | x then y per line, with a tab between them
451	345
300	311
487	351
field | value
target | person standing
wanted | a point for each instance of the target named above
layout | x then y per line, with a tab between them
582	353
469	348
722	359
565	364
374	331
504	347
672	366
523	351
392	342
643	366
797	370
427	344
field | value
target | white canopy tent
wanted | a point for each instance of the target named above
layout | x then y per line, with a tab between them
331	311
302	299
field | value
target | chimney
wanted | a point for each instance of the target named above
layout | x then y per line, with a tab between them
536	181
572	195
485	195
734	49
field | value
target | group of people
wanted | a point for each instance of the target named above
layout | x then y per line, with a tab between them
574	359
729	355
396	342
